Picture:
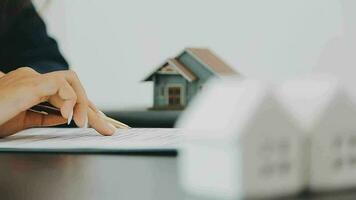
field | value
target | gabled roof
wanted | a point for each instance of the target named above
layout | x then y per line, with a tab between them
311	99
204	56
211	61
234	108
185	72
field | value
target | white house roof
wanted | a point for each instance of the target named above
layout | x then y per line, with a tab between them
225	109
310	99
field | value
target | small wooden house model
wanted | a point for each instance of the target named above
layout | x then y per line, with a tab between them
178	79
327	113
240	143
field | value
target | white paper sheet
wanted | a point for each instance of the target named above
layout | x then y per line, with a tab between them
88	140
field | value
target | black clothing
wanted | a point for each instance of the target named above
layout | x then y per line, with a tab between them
24	41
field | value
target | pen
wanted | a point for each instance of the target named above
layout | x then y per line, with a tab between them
46	109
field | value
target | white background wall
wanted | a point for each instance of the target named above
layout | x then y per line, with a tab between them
113	44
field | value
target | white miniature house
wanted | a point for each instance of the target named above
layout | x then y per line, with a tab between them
240	143
327	114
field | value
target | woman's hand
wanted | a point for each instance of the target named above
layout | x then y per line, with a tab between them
23	88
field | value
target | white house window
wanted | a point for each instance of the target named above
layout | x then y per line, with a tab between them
344	147
275	158
338	163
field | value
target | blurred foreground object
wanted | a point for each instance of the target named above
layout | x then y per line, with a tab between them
179	79
326	113
241	143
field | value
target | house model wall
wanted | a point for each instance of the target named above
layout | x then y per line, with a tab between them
178	79
241	143
327	115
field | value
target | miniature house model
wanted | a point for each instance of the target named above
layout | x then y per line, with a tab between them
178	79
327	114
240	143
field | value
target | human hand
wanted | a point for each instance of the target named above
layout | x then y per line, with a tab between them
23	88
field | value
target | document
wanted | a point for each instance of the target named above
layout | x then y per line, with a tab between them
89	141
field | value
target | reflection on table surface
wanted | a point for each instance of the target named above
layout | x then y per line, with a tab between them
51	176
80	176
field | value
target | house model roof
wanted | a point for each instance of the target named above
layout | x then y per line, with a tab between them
204	56
211	61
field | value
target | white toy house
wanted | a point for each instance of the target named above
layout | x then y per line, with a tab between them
327	114
240	143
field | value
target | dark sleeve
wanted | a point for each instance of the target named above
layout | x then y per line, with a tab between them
26	43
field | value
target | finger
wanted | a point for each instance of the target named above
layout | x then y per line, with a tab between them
93	106
52	85
81	107
69	97
116	123
53	120
81	115
58	102
112	121
99	124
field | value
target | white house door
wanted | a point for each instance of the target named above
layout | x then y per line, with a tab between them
174	96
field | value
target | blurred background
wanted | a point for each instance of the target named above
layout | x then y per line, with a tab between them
114	44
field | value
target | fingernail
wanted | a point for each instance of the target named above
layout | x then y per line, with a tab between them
86	123
70	117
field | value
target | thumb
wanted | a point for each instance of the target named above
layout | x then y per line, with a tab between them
33	119
27	120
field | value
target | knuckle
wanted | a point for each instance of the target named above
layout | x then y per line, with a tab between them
59	80
37	84
26	70
72	73
75	97
44	84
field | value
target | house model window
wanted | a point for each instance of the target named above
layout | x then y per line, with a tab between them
174	96
178	79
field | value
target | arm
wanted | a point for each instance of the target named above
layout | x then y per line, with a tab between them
26	43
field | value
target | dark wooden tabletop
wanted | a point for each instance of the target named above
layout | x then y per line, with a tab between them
146	118
91	177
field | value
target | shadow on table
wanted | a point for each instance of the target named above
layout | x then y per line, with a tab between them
146	118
